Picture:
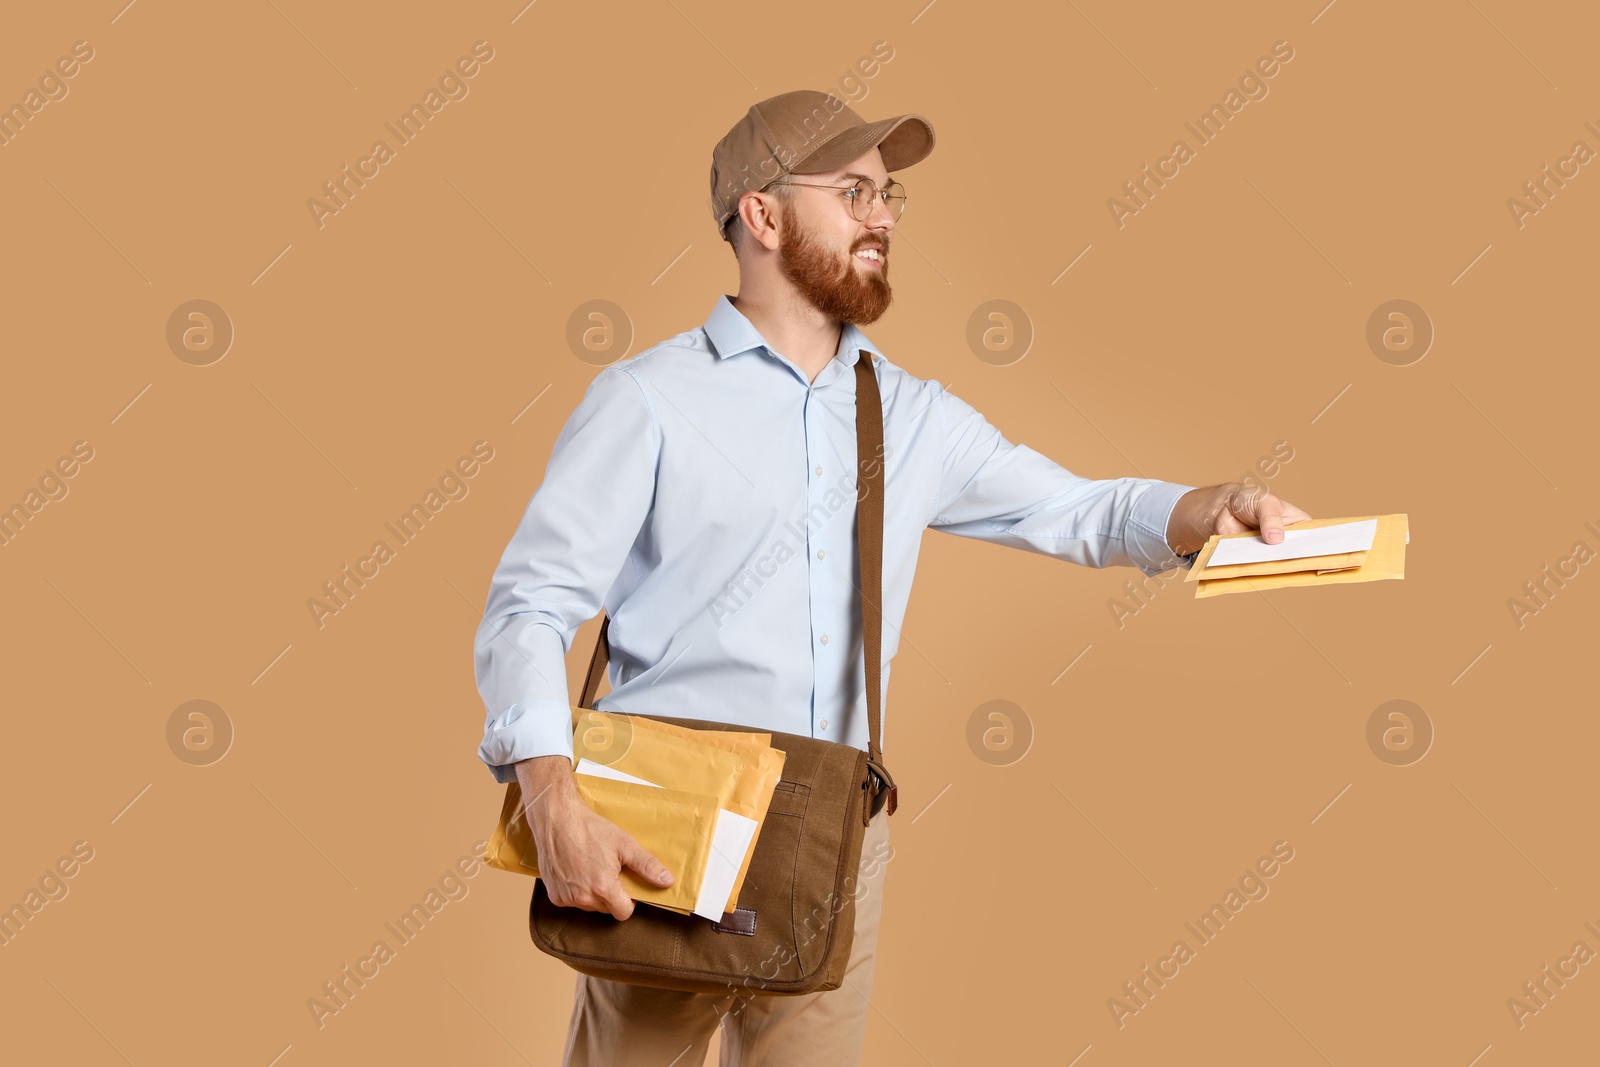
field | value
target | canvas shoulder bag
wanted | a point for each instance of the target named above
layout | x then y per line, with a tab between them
794	922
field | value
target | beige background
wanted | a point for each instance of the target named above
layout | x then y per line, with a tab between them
1227	315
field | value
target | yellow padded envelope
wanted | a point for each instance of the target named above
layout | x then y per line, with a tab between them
672	824
742	769
733	740
1385	560
1337	561
734	770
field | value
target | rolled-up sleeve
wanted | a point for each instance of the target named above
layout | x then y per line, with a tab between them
572	541
993	490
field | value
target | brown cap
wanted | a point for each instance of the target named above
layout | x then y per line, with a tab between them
805	132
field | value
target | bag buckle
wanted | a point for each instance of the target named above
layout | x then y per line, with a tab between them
880	788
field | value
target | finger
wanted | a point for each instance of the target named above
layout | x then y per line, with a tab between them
637	858
1269	518
1238	511
616	900
1292	514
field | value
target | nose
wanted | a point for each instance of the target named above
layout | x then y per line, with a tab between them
879	218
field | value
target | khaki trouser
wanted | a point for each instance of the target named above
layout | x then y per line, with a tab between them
619	1025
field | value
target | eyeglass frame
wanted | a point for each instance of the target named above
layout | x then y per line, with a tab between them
876	199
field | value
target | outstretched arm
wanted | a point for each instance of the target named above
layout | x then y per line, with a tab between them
1009	494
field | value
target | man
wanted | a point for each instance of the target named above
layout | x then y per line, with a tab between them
702	492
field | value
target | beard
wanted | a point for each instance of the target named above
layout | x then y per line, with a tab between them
831	281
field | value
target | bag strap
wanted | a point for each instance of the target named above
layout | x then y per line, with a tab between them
869	539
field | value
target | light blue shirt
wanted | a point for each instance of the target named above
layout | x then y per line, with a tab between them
703	493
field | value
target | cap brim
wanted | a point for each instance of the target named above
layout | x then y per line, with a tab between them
902	141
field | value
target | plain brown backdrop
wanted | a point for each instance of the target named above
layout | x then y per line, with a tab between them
1229	314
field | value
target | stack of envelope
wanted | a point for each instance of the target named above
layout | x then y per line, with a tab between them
695	799
1368	548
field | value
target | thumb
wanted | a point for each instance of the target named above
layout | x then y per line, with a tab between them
1269	519
637	858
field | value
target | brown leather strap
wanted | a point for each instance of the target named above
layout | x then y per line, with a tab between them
597	663
869	539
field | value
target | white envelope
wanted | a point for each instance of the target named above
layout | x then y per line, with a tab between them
1297	544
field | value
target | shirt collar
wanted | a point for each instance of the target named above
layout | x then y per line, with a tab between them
731	333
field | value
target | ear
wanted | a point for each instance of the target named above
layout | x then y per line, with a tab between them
761	222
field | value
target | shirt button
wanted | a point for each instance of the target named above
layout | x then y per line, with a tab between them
824	638
822	553
824	724
819	470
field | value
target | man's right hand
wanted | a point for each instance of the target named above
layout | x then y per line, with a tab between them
581	853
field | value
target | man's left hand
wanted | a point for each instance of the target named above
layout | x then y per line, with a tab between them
1233	507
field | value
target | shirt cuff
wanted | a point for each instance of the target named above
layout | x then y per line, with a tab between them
527	729
1146	538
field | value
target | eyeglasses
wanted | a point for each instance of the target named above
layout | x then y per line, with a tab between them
863	195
